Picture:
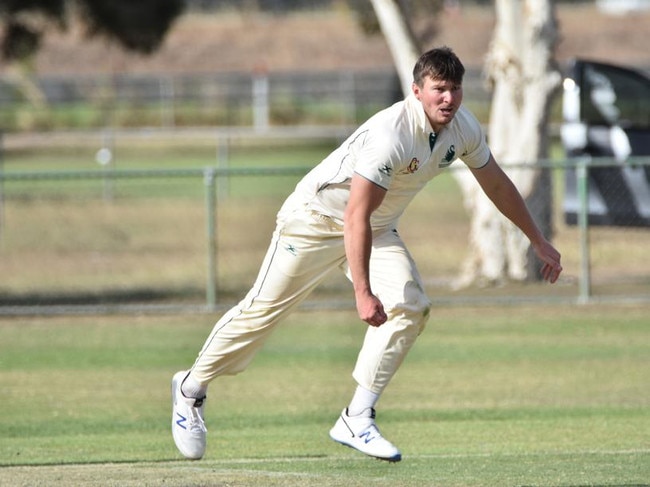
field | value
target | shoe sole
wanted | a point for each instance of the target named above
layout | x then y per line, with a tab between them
393	459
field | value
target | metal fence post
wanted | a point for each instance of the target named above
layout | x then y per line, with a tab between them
583	226
223	154
167	97
209	177
261	108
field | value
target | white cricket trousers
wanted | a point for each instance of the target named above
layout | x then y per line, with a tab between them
305	247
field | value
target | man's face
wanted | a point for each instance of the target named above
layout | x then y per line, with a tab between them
440	100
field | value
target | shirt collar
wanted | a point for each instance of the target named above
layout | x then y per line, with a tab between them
417	110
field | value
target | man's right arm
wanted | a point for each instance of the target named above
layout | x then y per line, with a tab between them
365	197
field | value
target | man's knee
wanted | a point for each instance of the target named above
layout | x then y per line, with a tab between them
404	325
418	317
414	309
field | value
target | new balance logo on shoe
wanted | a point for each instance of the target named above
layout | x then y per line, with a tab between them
367	436
181	420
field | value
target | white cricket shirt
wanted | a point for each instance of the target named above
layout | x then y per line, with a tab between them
392	149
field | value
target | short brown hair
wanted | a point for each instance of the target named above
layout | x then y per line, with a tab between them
440	64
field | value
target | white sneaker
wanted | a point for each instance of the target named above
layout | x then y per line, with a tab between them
361	433
188	428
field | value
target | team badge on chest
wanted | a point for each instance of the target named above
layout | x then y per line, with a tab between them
449	157
413	166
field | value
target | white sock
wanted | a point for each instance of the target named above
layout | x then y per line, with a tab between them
191	388
362	400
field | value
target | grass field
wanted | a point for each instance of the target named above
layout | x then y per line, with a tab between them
541	396
521	396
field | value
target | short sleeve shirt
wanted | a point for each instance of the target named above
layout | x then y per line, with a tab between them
394	150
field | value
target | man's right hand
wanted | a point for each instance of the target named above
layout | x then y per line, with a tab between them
371	310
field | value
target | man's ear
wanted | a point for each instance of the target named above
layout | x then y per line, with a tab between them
416	90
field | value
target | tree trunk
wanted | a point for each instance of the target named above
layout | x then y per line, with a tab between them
401	41
521	69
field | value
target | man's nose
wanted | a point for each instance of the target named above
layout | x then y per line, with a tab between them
451	95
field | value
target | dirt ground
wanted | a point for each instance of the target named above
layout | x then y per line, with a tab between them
327	41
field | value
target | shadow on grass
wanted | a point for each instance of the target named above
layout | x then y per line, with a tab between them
105	297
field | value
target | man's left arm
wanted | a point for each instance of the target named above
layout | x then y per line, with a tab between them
503	193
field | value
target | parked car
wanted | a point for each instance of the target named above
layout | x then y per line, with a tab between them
606	110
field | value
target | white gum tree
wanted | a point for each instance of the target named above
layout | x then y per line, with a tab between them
523	76
400	38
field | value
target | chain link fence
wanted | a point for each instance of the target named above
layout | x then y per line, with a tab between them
181	220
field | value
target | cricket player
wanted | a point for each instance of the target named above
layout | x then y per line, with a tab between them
344	213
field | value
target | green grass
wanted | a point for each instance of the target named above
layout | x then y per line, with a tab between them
520	396
157	154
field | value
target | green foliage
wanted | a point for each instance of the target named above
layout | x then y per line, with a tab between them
137	25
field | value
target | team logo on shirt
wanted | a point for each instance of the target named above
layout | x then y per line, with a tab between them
413	166
449	157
